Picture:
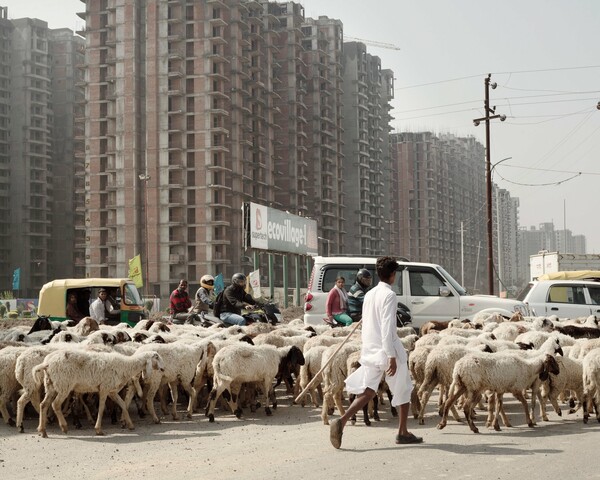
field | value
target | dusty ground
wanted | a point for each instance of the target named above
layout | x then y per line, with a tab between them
294	444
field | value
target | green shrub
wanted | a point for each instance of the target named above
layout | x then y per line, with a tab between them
148	304
26	314
3	310
13	314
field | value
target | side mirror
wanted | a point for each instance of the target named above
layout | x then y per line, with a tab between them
445	292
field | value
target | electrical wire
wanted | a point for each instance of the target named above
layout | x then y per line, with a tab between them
540	184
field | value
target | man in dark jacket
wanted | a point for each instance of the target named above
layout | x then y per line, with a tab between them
234	299
356	295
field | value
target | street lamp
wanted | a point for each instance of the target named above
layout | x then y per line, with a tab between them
489	110
392	245
144	177
328	242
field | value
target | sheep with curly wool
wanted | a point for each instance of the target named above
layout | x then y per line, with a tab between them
439	366
8	381
181	360
334	375
308	371
583	346
416	366
239	363
501	372
591	384
569	378
79	371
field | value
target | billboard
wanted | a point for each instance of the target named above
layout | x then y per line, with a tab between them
271	229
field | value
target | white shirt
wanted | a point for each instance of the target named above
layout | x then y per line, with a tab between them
380	340
98	309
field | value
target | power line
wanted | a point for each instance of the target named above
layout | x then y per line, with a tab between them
497	73
549	170
540	184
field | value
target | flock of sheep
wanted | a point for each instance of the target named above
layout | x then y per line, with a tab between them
75	369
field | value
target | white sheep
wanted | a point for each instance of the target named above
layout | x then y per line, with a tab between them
240	363
569	377
8	381
78	371
501	372
308	371
591	384
181	360
438	370
334	375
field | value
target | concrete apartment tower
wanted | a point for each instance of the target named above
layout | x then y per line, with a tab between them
323	45
441	183
368	91
6	264
181	126
40	64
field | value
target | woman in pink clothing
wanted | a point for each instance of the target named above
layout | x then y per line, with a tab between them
337	303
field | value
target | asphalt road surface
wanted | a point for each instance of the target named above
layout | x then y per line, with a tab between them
294	444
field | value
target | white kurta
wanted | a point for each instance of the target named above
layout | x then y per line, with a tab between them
380	342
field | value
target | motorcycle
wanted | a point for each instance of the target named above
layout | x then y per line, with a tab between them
265	313
403	316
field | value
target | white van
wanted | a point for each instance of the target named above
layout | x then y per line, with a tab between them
425	288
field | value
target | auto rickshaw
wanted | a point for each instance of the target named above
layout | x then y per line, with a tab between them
125	298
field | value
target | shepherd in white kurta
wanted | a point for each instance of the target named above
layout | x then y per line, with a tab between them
382	354
380	342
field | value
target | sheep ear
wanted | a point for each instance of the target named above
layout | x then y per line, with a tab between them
149	366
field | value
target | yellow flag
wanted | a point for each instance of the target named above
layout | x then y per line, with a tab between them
135	271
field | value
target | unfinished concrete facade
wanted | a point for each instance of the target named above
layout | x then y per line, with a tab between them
441	183
367	94
39	105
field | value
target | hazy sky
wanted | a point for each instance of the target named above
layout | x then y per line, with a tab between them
543	54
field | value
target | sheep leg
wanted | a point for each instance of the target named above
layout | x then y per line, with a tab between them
327	399
337	398
215	393
5	415
521	397
491	411
57	407
101	406
267	387
193	398
115	397
173	387
44	405
535	394
470	400
498	404
149	392
375	410
457	391
424	393
21	404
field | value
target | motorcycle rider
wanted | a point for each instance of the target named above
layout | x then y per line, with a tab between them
356	295
205	295
234	299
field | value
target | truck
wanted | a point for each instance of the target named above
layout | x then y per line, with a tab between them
551	262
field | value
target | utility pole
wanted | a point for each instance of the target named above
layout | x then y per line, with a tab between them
488	174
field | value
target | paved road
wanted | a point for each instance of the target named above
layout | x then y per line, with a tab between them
294	444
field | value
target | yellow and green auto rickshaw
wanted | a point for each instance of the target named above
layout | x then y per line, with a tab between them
122	293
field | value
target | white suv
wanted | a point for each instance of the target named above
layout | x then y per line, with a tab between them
425	288
564	298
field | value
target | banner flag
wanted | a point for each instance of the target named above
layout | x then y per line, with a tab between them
219	284
135	271
254	278
16	279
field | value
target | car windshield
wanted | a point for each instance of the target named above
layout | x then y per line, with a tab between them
454	283
524	292
132	296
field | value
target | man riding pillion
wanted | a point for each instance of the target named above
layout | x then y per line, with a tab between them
356	295
205	295
235	299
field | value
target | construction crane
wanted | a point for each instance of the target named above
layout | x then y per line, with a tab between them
372	43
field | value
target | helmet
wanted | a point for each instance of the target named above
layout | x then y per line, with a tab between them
363	273
238	279
208	282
